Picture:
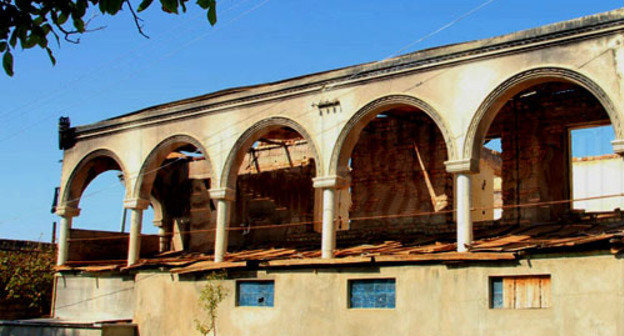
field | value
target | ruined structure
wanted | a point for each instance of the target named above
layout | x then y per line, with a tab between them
327	186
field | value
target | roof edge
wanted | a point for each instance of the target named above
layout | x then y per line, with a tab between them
428	57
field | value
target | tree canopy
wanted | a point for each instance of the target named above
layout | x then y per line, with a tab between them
33	23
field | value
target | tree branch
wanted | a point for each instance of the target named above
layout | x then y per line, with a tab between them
137	19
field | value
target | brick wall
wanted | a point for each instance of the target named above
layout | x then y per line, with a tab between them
386	176
534	133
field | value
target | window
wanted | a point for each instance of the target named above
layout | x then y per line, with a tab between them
520	292
255	293
596	171
372	293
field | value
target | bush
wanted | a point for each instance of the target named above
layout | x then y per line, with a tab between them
26	280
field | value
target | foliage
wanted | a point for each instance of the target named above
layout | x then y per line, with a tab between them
34	22
211	295
27	277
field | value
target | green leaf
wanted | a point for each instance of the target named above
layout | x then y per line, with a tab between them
103	6
43	41
3	46
52	59
13	39
62	18
7	63
31	41
81	8
79	24
204	3
170	6
212	15
111	6
144	4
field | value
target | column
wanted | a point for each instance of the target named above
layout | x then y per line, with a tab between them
618	147
66	213
329	185
463	169
136	207
463	206
224	198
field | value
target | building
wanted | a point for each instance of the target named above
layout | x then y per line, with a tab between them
358	201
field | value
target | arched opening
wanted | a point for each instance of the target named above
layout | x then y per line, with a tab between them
175	178
538	145
271	169
97	186
392	154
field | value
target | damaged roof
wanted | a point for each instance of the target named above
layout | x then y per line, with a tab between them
505	243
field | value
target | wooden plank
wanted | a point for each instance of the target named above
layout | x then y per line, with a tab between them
533	292
509	292
521	293
545	292
319	261
446	256
208	266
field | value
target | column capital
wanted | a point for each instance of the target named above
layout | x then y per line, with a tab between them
67	211
329	182
227	194
465	166
136	203
618	147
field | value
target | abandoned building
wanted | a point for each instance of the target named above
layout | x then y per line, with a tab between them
365	200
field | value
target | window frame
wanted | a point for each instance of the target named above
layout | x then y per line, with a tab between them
237	293
349	292
490	290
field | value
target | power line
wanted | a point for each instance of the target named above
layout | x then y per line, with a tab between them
137	70
376	217
115	63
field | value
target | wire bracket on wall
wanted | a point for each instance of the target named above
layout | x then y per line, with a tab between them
328	106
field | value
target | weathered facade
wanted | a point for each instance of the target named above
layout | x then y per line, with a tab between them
285	181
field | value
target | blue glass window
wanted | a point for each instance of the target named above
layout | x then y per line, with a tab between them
372	293
497	293
255	293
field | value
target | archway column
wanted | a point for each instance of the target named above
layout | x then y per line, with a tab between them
136	207
329	185
618	147
224	198
462	171
66	213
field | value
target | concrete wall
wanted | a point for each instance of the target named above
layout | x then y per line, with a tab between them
587	295
455	91
93	298
598	176
40	328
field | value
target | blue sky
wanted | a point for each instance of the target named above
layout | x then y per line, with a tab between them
116	71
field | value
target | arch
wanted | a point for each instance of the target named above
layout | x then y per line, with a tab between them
149	168
252	134
490	107
351	131
89	167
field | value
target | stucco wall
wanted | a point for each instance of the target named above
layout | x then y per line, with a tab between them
587	295
455	92
93	298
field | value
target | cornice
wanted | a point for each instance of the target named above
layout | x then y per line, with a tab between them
553	34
